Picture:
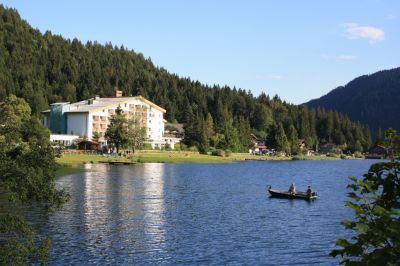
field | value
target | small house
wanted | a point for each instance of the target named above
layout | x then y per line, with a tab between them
88	145
327	148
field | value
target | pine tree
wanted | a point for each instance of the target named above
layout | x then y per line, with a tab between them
116	133
293	140
281	140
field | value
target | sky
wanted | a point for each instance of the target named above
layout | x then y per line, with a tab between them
299	50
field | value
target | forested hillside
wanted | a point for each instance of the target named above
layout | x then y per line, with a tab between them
46	68
371	99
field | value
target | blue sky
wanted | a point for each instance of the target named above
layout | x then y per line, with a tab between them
297	49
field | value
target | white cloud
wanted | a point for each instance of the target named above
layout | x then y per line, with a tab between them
355	31
342	57
391	17
276	77
345	57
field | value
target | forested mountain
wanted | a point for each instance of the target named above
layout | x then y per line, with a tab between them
46	68
371	99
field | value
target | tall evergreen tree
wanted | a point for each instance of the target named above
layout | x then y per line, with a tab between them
117	133
281	140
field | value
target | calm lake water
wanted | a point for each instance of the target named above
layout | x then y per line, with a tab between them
200	214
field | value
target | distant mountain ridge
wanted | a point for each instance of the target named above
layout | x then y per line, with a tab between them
370	99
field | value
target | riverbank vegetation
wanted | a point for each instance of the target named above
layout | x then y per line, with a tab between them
46	68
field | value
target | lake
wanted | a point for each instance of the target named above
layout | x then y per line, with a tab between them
200	214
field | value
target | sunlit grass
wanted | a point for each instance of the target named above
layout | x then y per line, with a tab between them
176	157
163	157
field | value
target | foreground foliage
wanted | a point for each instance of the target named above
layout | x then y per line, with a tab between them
376	204
27	174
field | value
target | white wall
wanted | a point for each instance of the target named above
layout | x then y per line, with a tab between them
78	123
155	122
66	140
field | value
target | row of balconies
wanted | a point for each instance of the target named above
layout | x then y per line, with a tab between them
99	126
138	113
97	118
137	106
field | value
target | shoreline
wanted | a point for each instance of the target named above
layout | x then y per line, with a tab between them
177	157
73	163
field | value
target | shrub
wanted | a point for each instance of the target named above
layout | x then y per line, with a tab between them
167	147
358	154
218	152
180	147
147	146
193	148
333	155
299	157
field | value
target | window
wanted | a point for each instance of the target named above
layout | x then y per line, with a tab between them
149	121
125	105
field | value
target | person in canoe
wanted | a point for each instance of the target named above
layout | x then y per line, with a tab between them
309	191
292	189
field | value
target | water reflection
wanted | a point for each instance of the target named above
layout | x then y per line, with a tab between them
154	204
113	210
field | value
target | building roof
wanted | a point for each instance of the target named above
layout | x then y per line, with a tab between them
98	104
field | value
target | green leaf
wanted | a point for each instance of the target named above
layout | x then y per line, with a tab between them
353	196
362	227
342	242
355	207
380	211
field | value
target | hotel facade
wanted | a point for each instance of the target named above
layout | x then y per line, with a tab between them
82	119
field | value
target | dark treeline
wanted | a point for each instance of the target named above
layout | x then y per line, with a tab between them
46	68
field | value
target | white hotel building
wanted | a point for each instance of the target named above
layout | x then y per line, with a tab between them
82	119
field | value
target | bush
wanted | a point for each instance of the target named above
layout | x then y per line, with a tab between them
333	155
147	146
218	152
193	148
299	157
358	154
228	153
73	146
343	157
167	147
180	147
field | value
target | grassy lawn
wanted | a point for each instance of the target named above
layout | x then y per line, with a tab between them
174	157
163	157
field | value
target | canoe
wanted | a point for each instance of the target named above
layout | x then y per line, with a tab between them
288	195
